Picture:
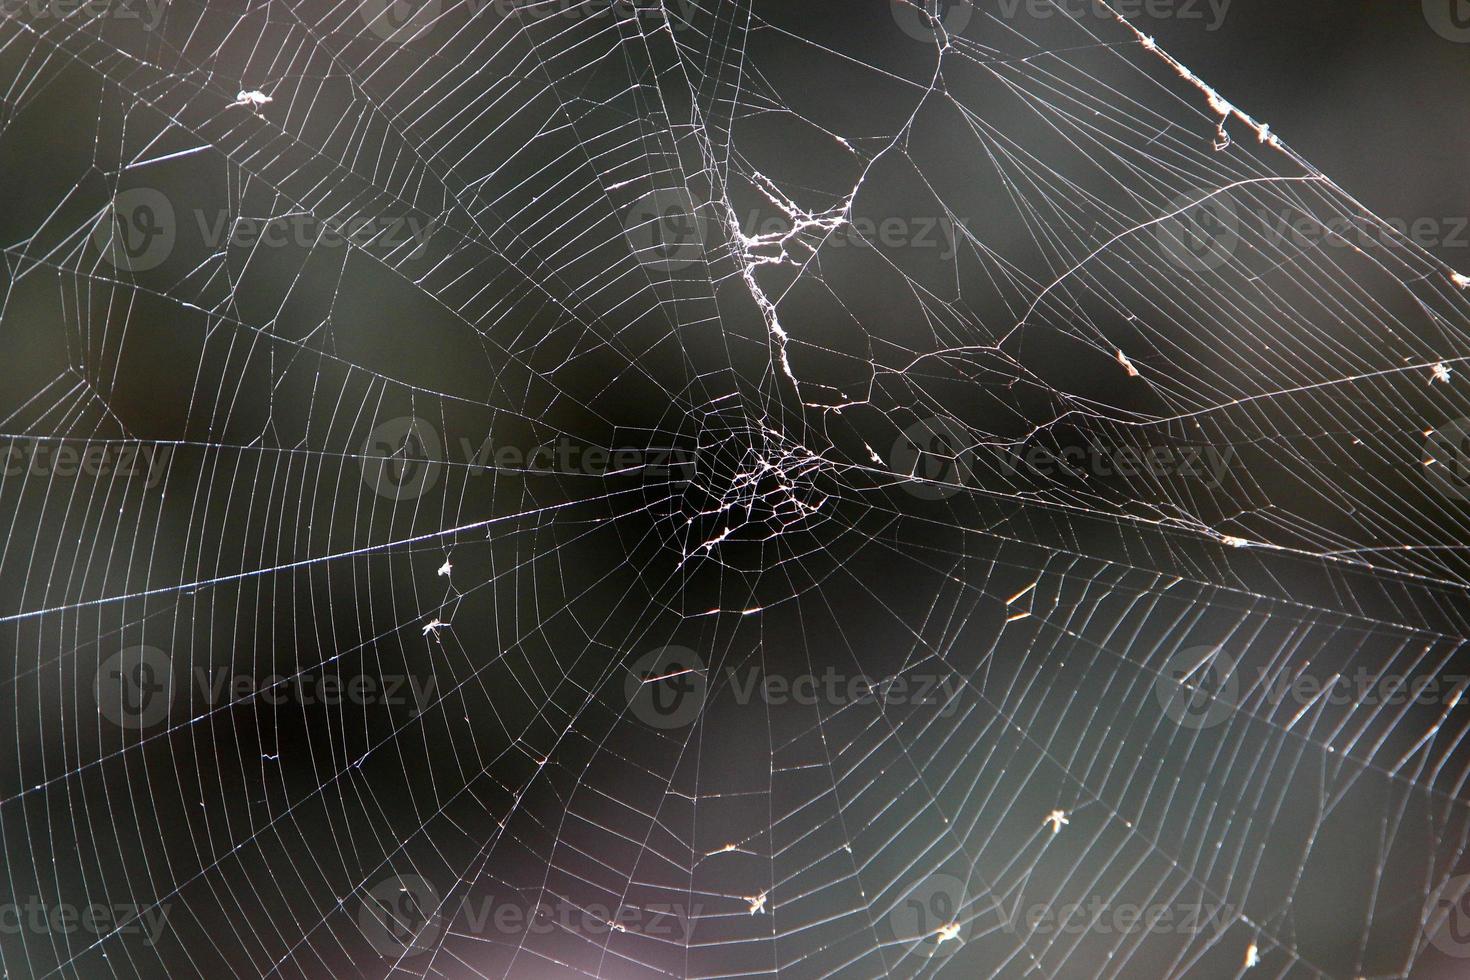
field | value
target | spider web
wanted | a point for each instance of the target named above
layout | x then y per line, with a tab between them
820	419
